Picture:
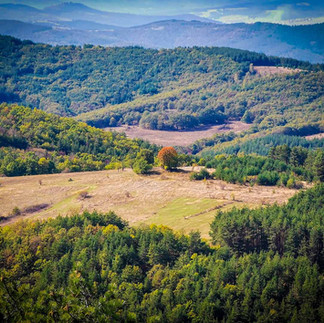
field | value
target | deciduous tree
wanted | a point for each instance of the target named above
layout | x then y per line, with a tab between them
168	157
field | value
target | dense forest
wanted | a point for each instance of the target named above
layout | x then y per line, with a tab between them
290	101
266	265
35	142
283	166
262	145
253	141
178	89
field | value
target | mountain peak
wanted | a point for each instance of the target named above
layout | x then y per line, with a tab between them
70	6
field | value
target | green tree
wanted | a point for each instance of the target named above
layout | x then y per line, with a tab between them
319	165
141	166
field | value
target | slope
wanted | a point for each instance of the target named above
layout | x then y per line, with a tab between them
177	89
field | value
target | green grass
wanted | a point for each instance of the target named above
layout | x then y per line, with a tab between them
174	215
182	214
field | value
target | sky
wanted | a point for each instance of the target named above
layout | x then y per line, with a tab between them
226	11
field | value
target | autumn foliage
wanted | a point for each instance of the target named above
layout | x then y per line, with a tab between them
168	157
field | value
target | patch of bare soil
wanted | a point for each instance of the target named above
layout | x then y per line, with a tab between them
271	70
133	197
179	138
317	136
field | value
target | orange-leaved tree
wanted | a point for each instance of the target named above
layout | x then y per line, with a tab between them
168	157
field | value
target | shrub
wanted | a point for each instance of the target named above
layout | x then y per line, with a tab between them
141	166
284	179
268	178
203	174
36	208
83	195
15	211
291	183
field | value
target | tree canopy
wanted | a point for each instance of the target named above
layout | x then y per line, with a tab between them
168	157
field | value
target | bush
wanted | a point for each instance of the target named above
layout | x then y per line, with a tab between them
291	183
284	179
268	178
15	211
83	195
141	166
203	174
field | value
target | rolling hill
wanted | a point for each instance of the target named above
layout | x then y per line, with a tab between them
175	89
241	252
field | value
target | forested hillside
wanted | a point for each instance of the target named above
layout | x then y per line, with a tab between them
266	265
256	142
176	89
35	142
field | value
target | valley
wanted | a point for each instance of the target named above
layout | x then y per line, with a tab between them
179	138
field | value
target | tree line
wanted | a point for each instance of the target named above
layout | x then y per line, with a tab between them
248	144
283	166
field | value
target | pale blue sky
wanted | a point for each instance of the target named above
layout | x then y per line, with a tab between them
224	10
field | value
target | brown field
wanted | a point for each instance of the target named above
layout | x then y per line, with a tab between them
179	138
162	198
271	70
317	136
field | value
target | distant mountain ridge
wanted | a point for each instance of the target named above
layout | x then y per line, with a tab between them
299	42
69	11
70	23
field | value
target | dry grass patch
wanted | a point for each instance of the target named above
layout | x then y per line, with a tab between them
272	70
317	136
163	197
179	138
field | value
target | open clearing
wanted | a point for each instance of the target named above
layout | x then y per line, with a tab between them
317	136
162	197
179	138
271	70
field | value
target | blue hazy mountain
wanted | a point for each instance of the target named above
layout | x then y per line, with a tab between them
300	42
75	23
69	11
261	10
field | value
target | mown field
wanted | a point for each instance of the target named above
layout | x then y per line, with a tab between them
163	198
